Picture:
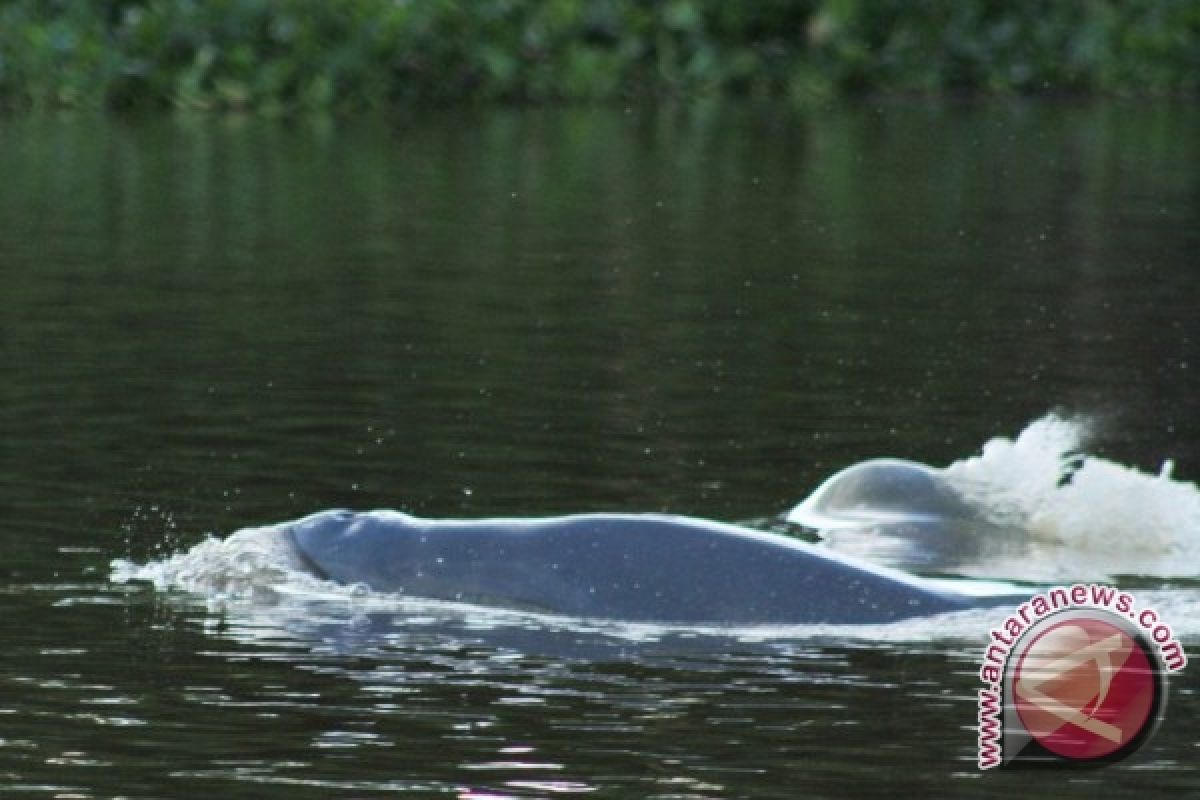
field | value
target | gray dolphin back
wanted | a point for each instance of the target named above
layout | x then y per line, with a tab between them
632	567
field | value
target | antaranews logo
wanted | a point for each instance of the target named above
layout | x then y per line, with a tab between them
1075	676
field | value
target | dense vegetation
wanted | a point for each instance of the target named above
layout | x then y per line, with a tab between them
287	54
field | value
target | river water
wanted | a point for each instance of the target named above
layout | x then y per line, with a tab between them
211	323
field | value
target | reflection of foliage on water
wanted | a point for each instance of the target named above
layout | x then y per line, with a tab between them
355	53
705	309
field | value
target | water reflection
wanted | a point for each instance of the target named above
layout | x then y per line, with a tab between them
520	707
329	697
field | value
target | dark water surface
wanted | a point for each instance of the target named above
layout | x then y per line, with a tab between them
211	322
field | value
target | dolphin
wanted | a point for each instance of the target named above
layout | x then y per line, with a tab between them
881	491
653	568
910	516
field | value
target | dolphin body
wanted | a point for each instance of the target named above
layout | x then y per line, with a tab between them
630	567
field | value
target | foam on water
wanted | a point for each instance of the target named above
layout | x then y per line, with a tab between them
1087	518
254	564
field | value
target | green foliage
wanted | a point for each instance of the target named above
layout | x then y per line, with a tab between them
323	54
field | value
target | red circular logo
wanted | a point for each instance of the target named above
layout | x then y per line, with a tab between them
1084	688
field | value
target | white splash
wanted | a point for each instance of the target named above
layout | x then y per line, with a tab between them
1104	520
253	564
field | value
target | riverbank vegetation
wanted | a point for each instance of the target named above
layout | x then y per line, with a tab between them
282	55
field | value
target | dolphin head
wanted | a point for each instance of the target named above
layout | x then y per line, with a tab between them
881	491
347	546
906	515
